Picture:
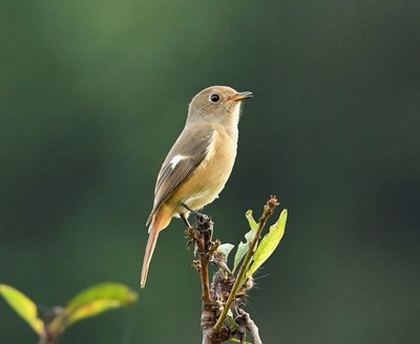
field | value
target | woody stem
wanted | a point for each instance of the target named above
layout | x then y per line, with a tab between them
205	227
268	210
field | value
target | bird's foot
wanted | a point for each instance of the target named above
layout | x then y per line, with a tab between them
205	225
203	221
187	223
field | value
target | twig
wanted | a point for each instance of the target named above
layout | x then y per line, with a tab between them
251	326
268	210
205	226
202	237
47	338
226	289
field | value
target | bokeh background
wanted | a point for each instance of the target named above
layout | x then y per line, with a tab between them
93	94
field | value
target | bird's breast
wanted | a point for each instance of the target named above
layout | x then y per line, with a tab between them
210	177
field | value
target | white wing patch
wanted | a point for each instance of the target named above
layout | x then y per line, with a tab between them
176	159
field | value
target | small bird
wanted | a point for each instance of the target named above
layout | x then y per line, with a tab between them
199	164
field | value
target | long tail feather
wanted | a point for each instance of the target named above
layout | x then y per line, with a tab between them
160	221
150	248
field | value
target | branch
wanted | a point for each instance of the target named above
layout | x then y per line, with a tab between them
226	291
203	241
268	210
205	249
47	338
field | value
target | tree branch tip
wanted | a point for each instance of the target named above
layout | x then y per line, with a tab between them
222	317
273	201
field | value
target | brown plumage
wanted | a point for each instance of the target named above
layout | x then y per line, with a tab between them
199	164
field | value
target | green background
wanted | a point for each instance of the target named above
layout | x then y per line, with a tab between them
93	94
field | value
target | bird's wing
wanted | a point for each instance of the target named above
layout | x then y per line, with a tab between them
187	153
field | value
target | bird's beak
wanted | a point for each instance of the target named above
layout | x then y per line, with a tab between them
242	96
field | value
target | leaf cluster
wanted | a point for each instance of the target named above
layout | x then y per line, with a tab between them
231	286
88	303
263	249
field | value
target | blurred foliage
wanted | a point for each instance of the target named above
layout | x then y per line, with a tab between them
23	306
92	96
88	303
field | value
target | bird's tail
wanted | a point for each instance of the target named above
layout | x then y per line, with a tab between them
160	221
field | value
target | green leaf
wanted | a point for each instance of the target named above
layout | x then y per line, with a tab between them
235	340
268	244
23	306
98	299
93	301
249	236
225	249
251	221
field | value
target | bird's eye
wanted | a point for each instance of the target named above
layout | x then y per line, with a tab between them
214	98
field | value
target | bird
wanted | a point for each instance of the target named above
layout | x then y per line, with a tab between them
199	163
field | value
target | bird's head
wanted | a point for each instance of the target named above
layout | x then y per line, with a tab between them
217	103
